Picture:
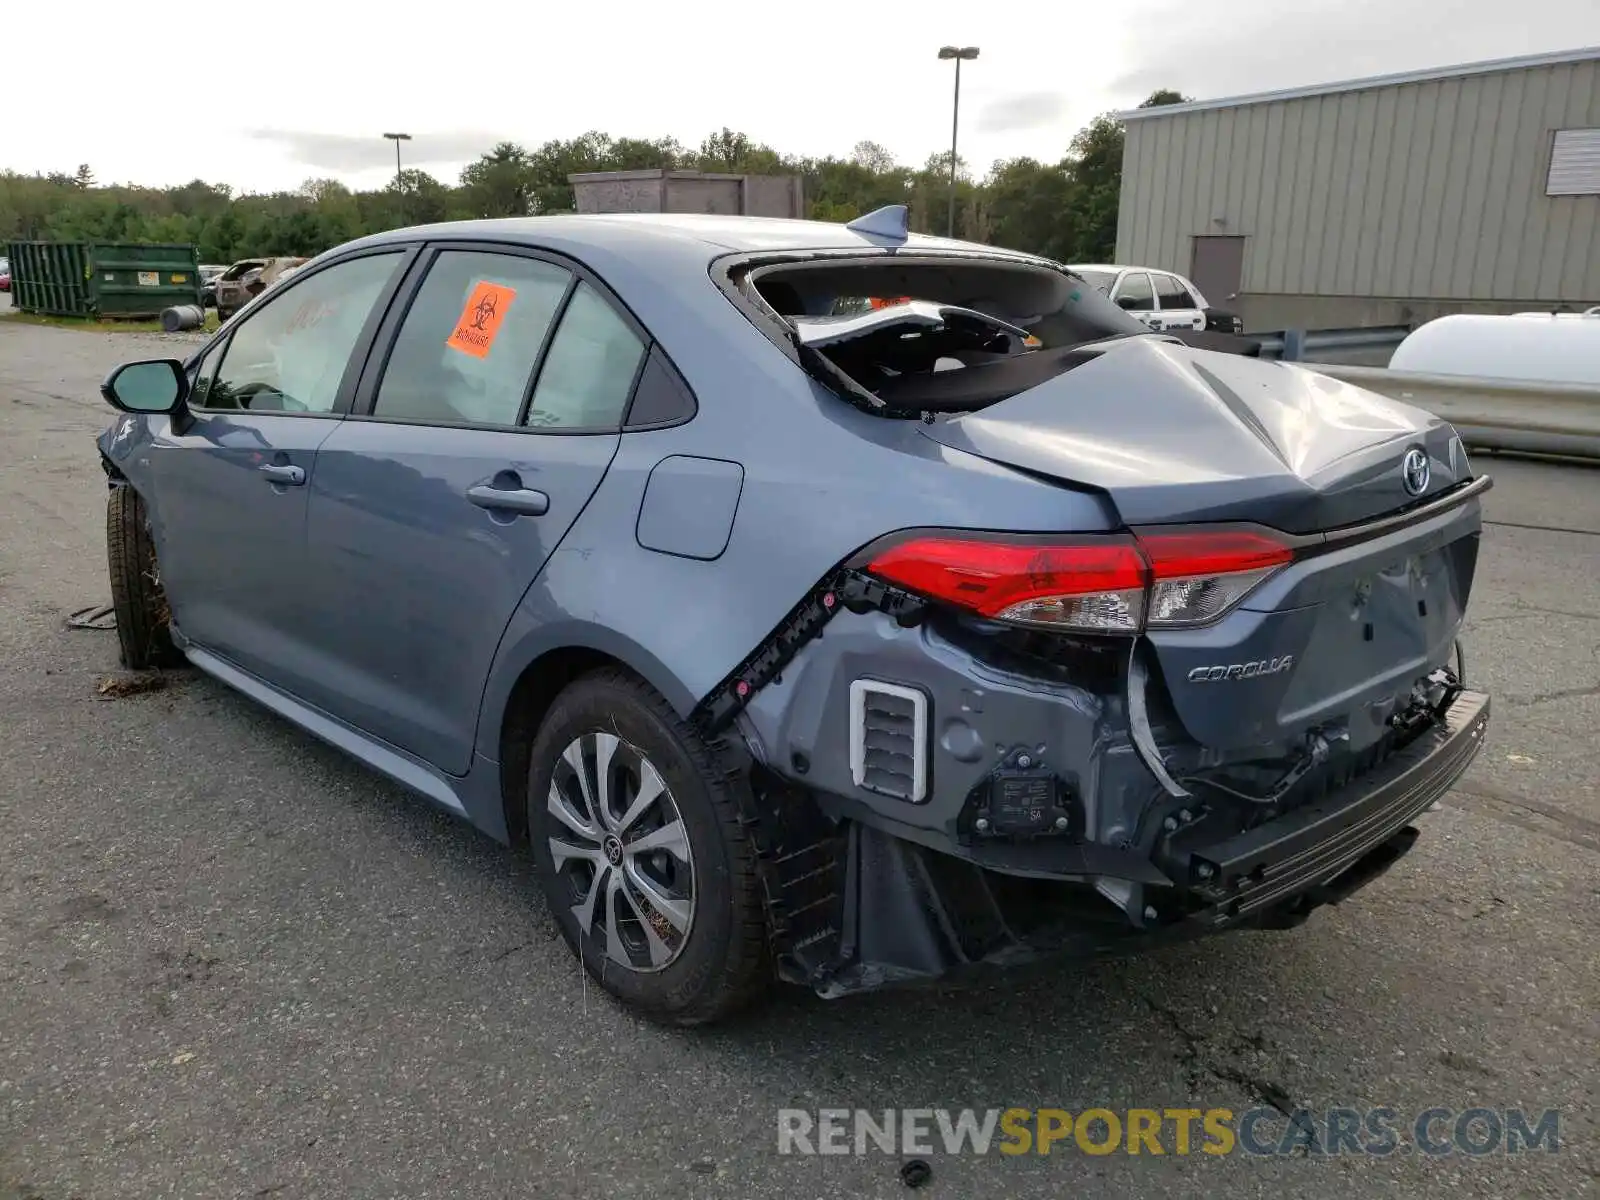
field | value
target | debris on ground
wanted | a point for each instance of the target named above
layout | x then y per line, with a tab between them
94	617
915	1173
134	683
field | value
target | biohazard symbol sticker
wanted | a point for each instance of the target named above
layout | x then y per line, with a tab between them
480	320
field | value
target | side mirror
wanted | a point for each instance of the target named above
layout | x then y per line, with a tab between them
1127	303
157	386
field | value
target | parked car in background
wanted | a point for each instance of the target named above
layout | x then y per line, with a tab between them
209	274
285	274
842	643
1159	299
247	279
5	274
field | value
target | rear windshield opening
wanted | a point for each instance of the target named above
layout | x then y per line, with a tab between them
939	335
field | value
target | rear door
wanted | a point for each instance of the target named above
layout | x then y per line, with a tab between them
1178	306
476	441
230	482
1135	295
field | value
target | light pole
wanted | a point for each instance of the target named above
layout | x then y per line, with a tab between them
958	53
397	138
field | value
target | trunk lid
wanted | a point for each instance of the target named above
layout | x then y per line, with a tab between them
1173	434
1333	642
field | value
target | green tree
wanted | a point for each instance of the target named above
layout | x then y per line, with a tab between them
1164	96
871	156
735	153
1032	206
420	198
1094	159
500	184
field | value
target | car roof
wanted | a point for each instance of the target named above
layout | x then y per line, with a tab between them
713	235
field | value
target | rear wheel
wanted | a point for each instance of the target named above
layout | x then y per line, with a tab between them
136	596
639	850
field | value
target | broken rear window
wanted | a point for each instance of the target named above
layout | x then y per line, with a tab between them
905	335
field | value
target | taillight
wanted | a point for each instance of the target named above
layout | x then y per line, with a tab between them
1197	577
1096	584
1113	584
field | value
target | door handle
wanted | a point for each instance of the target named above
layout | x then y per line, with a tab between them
279	473
524	501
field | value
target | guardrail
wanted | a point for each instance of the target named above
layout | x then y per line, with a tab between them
1301	345
1500	414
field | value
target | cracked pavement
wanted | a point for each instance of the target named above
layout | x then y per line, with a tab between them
233	963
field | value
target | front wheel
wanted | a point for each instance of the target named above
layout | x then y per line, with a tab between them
137	598
641	855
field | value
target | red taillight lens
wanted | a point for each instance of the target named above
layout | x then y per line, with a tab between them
1095	584
1114	584
1198	576
1174	555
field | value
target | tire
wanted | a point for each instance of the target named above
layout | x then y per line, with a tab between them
685	966
223	314
136	596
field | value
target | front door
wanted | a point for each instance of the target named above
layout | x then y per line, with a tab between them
1179	309
470	454
231	479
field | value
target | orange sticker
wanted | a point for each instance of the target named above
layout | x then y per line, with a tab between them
480	320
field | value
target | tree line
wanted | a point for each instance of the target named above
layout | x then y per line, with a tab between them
1065	210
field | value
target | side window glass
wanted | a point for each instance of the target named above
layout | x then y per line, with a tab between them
1135	295
1173	294
205	370
590	368
290	354
661	397
466	350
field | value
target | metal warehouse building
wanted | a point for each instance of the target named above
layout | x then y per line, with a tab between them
1381	201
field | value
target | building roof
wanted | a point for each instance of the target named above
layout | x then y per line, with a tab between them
1522	63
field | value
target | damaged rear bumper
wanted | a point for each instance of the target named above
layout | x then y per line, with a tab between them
903	912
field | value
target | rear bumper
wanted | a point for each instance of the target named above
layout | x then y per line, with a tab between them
1240	876
904	912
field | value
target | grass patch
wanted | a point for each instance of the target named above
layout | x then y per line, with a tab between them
101	325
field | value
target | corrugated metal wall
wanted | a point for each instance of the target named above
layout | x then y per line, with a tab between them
1427	190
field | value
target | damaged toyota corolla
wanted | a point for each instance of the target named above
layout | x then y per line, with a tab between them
819	602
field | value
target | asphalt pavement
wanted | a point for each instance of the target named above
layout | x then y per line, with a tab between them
234	963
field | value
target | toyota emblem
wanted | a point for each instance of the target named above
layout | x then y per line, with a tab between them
1414	472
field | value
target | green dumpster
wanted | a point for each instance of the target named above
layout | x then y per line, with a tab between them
102	279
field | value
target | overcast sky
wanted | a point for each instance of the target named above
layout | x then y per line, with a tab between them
163	93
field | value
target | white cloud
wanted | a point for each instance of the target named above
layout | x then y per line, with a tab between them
263	93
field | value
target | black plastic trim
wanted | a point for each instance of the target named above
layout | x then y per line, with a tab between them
1271	864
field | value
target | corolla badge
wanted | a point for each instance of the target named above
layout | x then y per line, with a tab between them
1415	472
1245	670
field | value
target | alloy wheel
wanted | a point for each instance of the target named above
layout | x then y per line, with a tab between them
621	848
